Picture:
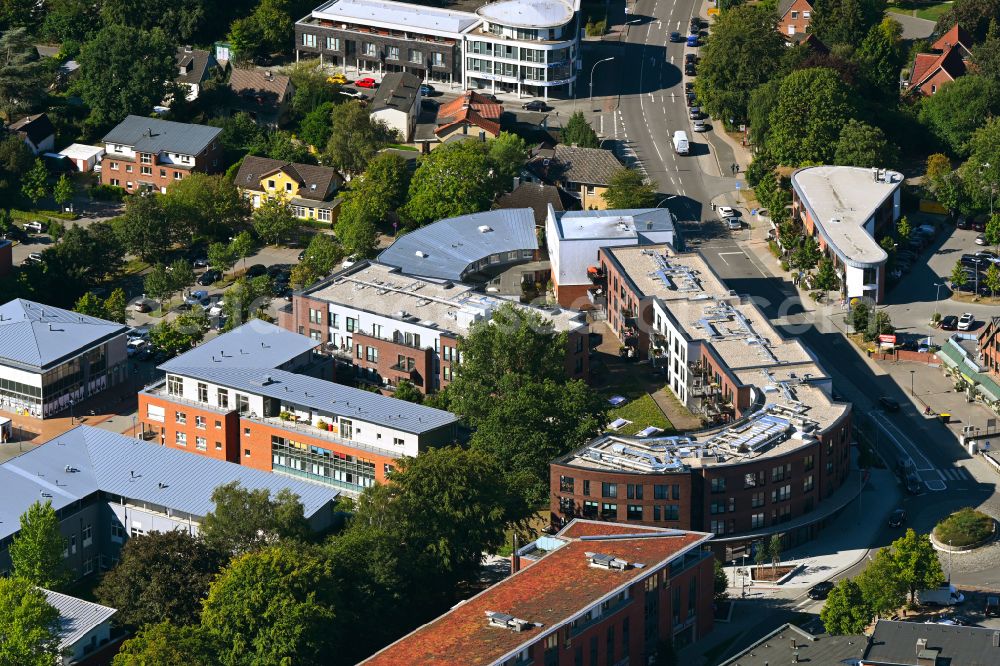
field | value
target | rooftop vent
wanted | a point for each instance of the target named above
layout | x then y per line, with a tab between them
603	561
484	228
505	621
421	254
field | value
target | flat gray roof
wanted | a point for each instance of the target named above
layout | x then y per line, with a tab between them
446	248
612	224
76	616
35	337
840	199
401	14
325	396
895	643
100	460
528	13
152	135
256	344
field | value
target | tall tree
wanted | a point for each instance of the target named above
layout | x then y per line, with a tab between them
452	180
845	611
311	88
862	145
245	520
23	77
246	300
992	279
28	623
980	174
70	21
145	229
242	246
578	132
986	54
959	278
976	16
178	335
880	58
355	226
34	184
316	126
845	21
90	304
273	606
744	52
166	644
181	20
629	189
162	576
273	220
813	105
200	204
880	585
355	138
917	564
220	257
268	29
507	155
956	110
114	83
157	283
116	306
63	191
36	553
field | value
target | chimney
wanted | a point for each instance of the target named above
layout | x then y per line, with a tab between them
515	559
187	48
921	645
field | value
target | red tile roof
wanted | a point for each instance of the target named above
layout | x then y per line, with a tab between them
552	591
473	108
921	65
948	54
957	35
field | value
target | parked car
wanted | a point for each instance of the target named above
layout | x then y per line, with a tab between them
977	225
966	321
35	226
695	112
216	309
535	105
256	270
692	40
366	82
727	211
963	222
949	323
700	126
195	297
337	79
429	104
820	590
914	485
200	262
676	37
897	518
690	70
689	86
992	607
690	58
692	99
142	306
427	89
695	23
209	277
980	239
733	223
888	404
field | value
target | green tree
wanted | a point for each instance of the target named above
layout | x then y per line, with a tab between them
879	323
281	145
826	275
405	390
247	299
879	57
880	585
762	100
242	246
273	606
114	83
18	14
507	154
200	204
845	611
629	189
34	184
806	255
986	54
859	316
23	76
37	548
959	278
220	257
720	582
246	520
355	138
273	219
324	252
144	230
181	274
813	105
385	183
452	180
166	644
316	126
69	21
863	145
977	17
28	623
903	229
355	226
744	52
180	334
774	549
162	576
992	279
311	89
63	191
15	159
90	304
268	29
157	283
578	132
917	564
980	174
116	306
6	221
956	110
992	231
845	21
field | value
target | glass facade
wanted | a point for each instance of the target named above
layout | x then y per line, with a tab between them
319	464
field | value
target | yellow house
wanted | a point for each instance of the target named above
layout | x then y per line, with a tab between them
310	190
584	173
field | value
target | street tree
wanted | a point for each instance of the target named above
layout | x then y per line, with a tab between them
242	246
826	275
202	204
992	230
917	564
720	582
845	611
355	138
34	184
903	229
954	112
181	274
858	316
578	132
274	606
880	586
959	278
116	306
180	334
23	76
629	189
273	219
452	180
29	625
992	279
90	304
774	549
37	548
144	230
879	323
114	83
63	191
246	300
324	252
246	520
167	644
220	257
806	255
812	107
162	576
157	283
862	145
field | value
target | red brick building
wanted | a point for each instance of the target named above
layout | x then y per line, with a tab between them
148	154
794	17
989	345
390	326
947	60
593	594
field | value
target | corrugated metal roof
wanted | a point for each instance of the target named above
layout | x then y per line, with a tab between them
151	135
76	616
327	397
37	335
100	460
255	344
447	247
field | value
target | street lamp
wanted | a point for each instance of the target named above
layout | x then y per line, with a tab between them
72	419
985	167
937	297
133	427
592	78
912	372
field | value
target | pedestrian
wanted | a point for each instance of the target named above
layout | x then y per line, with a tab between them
713	206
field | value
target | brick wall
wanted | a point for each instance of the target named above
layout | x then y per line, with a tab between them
220	431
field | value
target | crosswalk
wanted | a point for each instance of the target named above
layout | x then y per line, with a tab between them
955	474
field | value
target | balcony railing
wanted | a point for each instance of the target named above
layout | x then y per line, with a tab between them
307	429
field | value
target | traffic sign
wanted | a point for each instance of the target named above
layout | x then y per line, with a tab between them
737	184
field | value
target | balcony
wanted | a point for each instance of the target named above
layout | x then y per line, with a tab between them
306	429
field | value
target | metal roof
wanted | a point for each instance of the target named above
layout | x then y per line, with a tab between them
446	248
152	135
327	397
34	336
895	643
256	344
624	223
76	617
528	14
404	15
100	460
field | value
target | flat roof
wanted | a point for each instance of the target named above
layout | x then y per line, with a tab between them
550	593
81	151
34	336
613	224
528	13
256	344
775	648
401	14
446	248
76	617
383	290
86	460
895	643
840	199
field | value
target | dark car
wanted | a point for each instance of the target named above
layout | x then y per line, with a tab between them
692	99
820	590
992	607
695	23
689	86
914	485
949	323
256	270
690	70
897	518
888	404
676	37
427	89
690	58
209	277
535	105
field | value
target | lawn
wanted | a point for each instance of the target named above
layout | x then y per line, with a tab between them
642	412
931	11
965	527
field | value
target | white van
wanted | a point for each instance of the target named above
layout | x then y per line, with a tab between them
681	144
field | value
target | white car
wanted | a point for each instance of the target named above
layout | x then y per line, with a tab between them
35	226
134	346
216	309
727	211
733	223
700	126
966	321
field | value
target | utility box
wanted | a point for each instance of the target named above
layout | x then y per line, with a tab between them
945	418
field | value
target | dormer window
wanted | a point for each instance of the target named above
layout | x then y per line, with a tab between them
145	158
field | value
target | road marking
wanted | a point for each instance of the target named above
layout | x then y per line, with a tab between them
936	486
722	255
885	426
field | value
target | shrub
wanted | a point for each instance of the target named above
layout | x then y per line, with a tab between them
784	265
965	527
107	193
